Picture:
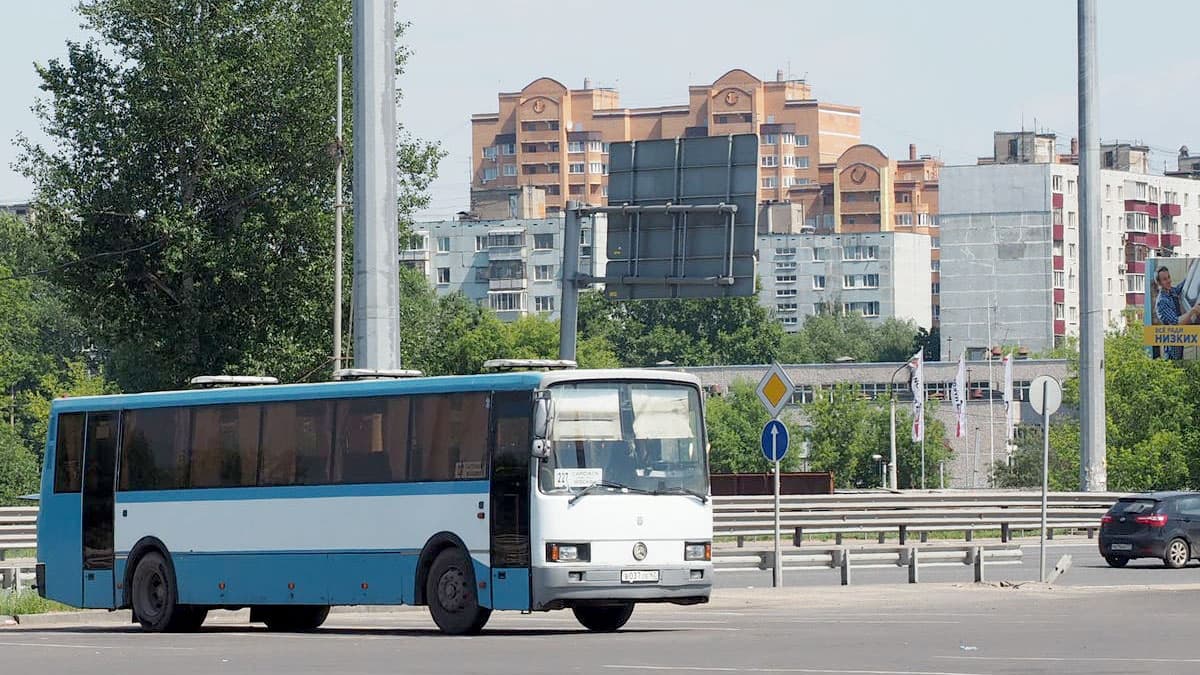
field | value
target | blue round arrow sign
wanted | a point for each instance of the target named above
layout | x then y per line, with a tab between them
774	441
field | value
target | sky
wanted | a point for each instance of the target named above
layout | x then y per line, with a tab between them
943	74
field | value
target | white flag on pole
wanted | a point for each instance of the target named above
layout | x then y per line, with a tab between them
917	365
1010	410
959	395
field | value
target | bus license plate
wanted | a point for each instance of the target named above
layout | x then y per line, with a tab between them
1122	547
638	576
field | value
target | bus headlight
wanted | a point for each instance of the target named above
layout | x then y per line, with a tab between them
568	552
697	550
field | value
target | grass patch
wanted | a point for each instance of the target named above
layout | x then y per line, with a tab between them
28	602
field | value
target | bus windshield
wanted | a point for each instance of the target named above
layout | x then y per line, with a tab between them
644	435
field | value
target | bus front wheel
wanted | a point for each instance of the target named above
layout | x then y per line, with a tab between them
603	618
155	598
450	592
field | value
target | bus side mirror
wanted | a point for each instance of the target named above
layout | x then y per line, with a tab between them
541	448
541	415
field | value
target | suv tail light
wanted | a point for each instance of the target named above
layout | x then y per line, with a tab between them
1153	520
1105	519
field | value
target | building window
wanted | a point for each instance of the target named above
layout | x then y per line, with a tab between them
802	161
786	307
489	152
1058	311
1071	219
935	243
576	167
770	139
785	292
786	265
506	302
574	146
785	278
865	308
801	181
935	265
1056	183
595	146
768	182
1074	313
818	254
802	140
443	244
1107	191
510	169
595	167
904	219
508	148
1071	251
790	321
789	160
543	303
480	243
490	173
786	251
769	160
789	138
860	253
1070	187
935	288
543	272
1058	279
543	242
443	275
818	282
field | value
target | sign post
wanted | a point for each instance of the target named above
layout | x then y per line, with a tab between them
775	390
1045	395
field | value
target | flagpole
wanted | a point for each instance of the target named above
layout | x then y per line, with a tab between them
991	411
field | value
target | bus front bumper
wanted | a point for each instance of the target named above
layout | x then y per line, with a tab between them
567	586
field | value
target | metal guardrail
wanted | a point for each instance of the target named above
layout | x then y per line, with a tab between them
844	559
18	531
907	512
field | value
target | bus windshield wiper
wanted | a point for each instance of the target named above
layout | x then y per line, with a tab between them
678	490
605	484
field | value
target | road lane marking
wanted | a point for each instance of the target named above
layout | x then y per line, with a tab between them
1059	659
826	671
64	645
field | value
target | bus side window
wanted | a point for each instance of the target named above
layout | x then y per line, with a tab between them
224	446
154	446
68	452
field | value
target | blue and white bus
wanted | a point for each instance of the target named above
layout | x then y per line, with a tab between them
581	489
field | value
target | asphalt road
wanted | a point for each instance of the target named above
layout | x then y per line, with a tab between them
895	630
1087	569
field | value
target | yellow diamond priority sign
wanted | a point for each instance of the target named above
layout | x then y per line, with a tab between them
775	390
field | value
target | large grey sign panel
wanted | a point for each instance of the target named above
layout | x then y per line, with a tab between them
690	254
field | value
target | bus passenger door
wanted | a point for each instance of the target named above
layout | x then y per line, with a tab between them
510	445
100	463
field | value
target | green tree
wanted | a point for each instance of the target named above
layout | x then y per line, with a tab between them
187	187
839	435
19	469
908	451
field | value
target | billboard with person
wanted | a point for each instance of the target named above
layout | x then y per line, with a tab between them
1172	314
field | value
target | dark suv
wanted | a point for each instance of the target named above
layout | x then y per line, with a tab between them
1164	525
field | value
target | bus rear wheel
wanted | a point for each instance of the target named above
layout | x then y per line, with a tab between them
155	598
603	618
450	592
293	618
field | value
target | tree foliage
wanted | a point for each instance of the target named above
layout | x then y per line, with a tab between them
188	183
828	337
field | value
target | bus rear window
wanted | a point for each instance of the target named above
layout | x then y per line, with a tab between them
68	453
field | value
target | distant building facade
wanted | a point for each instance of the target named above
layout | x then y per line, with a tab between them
880	275
557	139
1010	241
511	266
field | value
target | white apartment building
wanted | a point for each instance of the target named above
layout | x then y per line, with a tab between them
1010	248
512	266
878	274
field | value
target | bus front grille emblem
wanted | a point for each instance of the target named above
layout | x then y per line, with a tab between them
639	551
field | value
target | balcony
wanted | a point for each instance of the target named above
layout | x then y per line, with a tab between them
1152	210
1135	299
1056	200
1060	327
541	157
1137	206
1058	262
1141	238
1058	232
1172	239
516	284
1135	267
414	255
1152	240
1169	210
857	207
1060	294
